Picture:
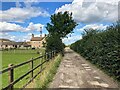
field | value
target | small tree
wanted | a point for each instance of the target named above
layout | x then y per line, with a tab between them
60	26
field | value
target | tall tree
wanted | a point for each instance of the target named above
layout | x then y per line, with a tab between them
60	26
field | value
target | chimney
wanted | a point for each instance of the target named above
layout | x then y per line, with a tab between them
45	35
40	35
40	31
32	35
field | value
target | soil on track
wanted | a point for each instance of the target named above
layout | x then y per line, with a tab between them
76	72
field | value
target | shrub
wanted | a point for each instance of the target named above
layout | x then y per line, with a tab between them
101	48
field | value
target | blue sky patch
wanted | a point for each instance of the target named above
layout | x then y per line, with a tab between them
21	19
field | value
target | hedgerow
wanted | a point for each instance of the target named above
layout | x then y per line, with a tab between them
101	48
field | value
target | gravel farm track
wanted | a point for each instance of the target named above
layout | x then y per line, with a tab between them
76	72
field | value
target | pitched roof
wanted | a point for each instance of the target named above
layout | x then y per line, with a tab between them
15	43
19	43
2	39
8	43
36	38
25	44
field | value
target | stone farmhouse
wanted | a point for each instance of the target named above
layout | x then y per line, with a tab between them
35	42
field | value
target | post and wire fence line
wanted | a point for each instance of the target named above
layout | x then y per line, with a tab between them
11	70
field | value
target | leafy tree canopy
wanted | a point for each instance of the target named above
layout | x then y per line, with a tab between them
61	24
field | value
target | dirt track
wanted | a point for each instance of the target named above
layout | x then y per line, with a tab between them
76	72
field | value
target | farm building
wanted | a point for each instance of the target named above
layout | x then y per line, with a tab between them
5	40
37	42
7	44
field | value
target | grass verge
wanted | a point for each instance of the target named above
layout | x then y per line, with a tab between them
47	75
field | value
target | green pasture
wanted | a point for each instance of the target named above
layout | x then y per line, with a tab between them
16	57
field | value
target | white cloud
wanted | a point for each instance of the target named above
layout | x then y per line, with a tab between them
2	34
6	28
9	27
17	38
12	27
29	3
71	39
18	5
34	27
93	26
74	37
7	36
91	12
21	14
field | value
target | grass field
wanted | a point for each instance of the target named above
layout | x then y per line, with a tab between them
16	57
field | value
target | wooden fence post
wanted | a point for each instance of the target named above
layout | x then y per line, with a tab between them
42	61
11	75
50	54
32	68
46	56
53	53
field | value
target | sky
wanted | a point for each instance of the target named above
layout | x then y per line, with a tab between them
20	19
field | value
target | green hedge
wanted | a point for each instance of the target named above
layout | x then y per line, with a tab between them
101	48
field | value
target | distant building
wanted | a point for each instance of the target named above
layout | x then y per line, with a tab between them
5	40
37	42
7	44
